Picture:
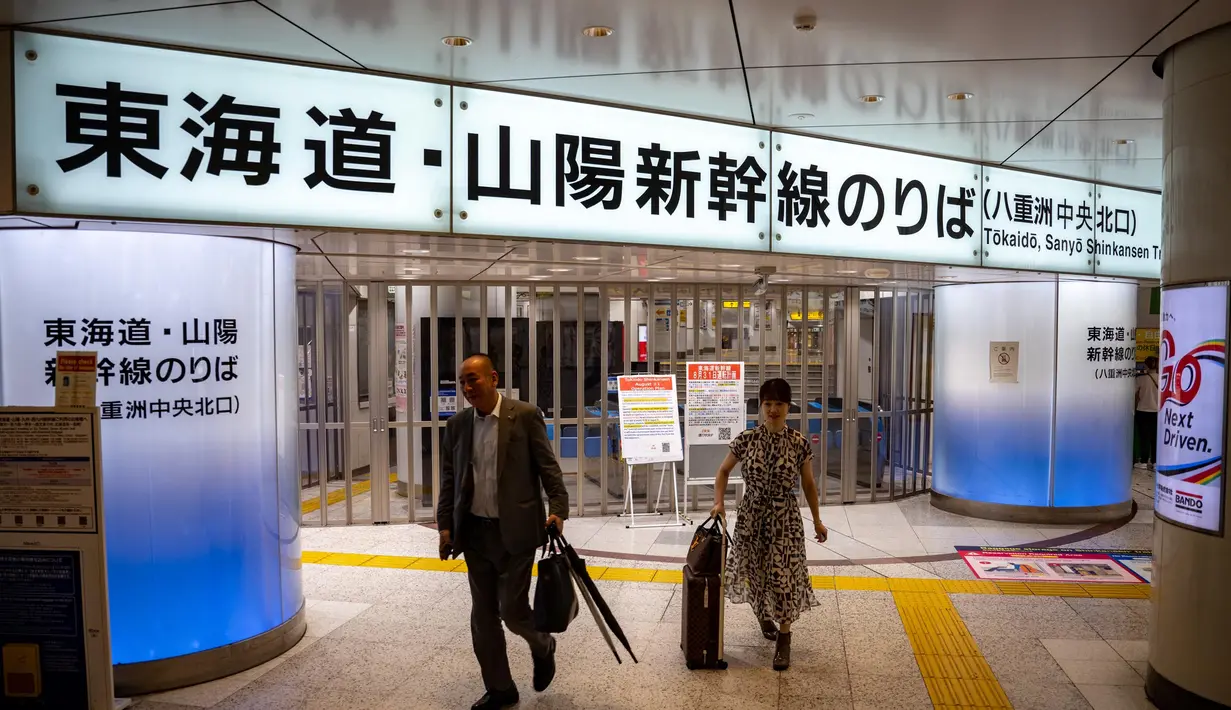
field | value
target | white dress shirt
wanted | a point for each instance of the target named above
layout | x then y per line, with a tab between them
483	454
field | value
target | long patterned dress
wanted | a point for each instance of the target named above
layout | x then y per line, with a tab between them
767	566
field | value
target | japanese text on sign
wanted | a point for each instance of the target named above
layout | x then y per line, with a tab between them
130	368
541	167
714	408
211	137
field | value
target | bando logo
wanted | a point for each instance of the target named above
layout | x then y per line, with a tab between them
1188	501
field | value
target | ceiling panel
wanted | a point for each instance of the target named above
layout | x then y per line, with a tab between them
1142	173
916	93
245	28
1204	15
1132	91
1095	140
20	11
412	245
863	31
985	142
316	267
527	39
715	93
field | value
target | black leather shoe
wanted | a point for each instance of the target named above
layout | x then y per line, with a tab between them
769	630
545	669
497	700
782	654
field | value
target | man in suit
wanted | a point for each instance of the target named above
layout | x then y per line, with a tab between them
496	459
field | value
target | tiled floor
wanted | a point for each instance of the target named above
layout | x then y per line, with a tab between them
399	638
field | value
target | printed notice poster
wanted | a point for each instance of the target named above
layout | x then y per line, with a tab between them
46	471
1192	413
649	419
1003	362
42	630
76	379
714	409
399	366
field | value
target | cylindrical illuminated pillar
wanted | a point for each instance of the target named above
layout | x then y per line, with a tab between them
1192	570
196	339
1046	435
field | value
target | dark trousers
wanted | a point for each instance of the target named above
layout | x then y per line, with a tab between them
499	591
1147	436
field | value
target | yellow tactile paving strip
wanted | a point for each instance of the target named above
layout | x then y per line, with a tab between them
867	584
953	668
313	504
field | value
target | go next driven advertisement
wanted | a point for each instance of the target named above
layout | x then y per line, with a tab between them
1192	412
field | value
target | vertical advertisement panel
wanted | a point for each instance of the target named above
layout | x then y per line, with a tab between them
1192	420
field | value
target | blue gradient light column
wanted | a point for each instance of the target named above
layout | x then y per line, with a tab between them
993	441
197	388
1055	445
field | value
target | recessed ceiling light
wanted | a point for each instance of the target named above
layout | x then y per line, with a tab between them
1124	141
456	41
847	271
560	271
665	278
598	31
535	278
877	273
411	269
960	96
416	251
585	258
729	266
871	98
801	116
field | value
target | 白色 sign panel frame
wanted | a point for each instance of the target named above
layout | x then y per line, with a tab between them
221	139
1035	222
1223	289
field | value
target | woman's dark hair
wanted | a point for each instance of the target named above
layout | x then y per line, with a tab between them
775	390
1151	363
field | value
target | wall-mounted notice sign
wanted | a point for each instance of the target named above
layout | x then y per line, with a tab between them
649	419
714	411
1192	414
1037	222
840	199
1128	227
1003	362
534	167
76	379
215	138
55	641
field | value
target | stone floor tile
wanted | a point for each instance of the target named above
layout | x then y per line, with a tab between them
205	695
1019	660
1077	650
1115	672
1116	697
888	692
1134	650
1052	694
880	655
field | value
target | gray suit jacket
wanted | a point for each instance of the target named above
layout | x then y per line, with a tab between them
526	466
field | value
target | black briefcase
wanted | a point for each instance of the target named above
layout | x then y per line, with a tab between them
555	598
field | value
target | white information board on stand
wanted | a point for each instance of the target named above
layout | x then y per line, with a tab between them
650	434
55	640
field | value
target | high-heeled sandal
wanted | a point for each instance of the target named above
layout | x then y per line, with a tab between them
769	630
782	653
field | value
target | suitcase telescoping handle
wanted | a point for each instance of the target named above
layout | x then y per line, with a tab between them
721	663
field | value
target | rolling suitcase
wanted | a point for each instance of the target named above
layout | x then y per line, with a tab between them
704	615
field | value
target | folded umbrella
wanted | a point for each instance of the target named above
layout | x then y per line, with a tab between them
598	619
579	566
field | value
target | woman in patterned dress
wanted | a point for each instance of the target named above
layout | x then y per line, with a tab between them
767	567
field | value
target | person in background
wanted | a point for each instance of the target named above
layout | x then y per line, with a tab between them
1146	417
497	462
767	567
